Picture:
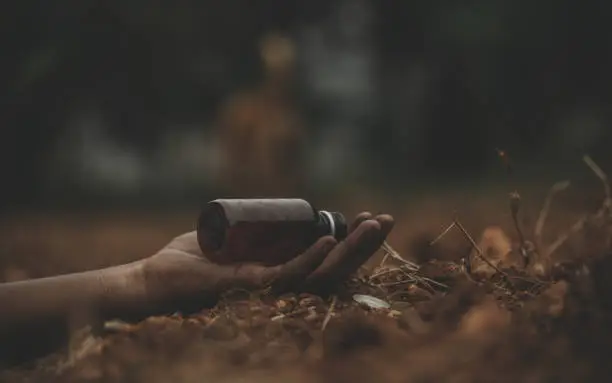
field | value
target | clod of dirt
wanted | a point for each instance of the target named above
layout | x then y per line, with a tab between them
496	247
484	319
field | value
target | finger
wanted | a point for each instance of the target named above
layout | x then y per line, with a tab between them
293	273
347	256
386	223
350	255
361	217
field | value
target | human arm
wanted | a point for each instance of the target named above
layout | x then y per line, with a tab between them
177	278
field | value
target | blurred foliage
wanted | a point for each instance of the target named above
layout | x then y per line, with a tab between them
501	73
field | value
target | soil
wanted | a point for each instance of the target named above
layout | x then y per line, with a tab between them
466	315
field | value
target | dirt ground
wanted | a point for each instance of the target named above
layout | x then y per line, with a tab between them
466	315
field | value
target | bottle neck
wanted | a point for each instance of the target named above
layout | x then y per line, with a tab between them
327	217
332	223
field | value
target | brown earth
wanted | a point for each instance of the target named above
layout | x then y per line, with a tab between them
549	321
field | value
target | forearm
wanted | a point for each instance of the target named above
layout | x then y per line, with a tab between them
49	304
104	292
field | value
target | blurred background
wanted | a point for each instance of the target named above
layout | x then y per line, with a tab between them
120	118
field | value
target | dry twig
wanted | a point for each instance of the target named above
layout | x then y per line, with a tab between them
515	206
330	312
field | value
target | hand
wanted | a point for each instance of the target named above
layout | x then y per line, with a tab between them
180	277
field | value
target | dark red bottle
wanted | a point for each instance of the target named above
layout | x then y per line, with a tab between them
266	231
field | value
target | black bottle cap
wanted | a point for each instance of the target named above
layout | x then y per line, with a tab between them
334	224
341	226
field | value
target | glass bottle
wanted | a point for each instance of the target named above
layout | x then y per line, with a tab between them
266	231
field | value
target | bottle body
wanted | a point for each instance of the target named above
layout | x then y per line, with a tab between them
266	231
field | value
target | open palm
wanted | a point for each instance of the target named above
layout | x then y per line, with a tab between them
181	277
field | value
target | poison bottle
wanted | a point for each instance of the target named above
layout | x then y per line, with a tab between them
265	231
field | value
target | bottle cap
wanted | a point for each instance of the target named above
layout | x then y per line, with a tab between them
337	224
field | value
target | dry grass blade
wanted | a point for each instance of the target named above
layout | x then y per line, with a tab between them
539	227
576	227
395	255
384	260
291	314
605	208
603	177
442	234
384	271
556	188
422	280
407	270
330	312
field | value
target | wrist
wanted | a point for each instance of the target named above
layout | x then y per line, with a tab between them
123	291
